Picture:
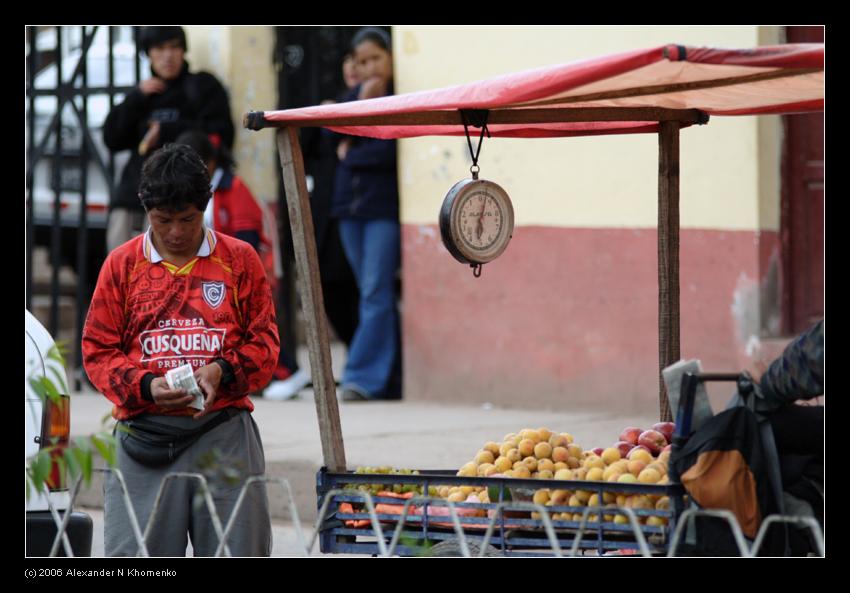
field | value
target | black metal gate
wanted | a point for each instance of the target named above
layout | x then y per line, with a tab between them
75	75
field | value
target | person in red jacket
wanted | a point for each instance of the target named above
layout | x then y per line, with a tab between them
182	294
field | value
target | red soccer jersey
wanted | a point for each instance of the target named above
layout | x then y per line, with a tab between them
148	316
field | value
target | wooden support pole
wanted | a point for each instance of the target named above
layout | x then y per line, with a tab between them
668	256
310	290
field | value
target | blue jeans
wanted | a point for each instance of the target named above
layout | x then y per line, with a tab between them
373	250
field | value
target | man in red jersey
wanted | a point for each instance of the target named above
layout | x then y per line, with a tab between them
182	294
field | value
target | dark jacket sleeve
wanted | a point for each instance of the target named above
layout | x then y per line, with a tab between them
372	154
798	373
335	137
124	126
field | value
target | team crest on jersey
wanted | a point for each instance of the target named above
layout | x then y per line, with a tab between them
213	293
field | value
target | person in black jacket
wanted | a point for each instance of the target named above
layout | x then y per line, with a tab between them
163	106
798	426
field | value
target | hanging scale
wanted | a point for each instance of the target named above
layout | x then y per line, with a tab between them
477	217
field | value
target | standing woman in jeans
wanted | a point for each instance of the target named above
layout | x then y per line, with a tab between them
366	203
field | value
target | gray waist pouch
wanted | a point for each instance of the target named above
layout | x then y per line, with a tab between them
155	444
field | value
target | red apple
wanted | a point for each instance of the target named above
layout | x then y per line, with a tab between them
665	428
667	448
624	448
652	440
598	451
630	435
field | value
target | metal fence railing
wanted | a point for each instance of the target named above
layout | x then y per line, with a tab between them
74	75
306	547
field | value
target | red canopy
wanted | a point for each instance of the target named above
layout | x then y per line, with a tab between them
764	80
652	90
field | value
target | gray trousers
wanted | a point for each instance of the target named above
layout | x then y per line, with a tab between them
183	513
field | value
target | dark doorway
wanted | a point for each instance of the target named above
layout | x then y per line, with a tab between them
309	64
802	224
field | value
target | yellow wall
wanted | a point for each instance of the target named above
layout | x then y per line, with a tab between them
585	182
241	57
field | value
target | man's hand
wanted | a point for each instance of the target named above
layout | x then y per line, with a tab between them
152	86
342	149
151	138
170	399
209	379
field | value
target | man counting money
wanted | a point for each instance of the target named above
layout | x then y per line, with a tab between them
182	298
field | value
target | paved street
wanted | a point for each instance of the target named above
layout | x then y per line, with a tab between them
285	541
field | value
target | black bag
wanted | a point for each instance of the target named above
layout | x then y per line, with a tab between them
155	444
732	463
724	466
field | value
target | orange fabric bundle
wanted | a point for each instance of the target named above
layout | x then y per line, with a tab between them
381	508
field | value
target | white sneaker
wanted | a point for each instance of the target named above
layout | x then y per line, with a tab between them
289	387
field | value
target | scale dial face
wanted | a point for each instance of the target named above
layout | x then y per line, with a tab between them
476	221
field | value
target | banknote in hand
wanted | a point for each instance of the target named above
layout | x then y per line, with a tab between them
184	378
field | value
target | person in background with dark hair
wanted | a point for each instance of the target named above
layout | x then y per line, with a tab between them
182	294
234	211
163	106
350	76
365	201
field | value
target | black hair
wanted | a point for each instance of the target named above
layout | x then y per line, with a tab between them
173	178
377	35
200	141
151	36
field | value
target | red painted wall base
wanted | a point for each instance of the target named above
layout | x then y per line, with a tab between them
569	317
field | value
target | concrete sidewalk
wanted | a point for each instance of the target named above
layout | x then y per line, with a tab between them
398	434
